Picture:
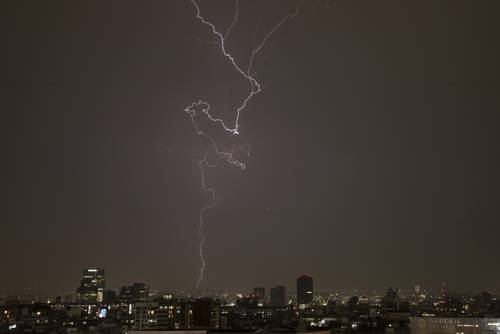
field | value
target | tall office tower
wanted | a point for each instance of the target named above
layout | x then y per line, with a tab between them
92	286
277	295
304	290
259	294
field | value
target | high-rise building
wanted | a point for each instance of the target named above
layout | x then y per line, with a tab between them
304	290
206	313
137	292
92	286
259	294
278	296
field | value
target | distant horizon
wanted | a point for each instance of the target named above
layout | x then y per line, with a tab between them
290	291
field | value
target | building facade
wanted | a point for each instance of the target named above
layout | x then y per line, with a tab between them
438	325
92	285
304	290
170	314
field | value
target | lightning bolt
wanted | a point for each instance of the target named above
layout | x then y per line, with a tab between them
202	164
234	128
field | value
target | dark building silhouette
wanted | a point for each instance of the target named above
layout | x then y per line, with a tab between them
391	295
259	294
110	296
353	303
92	286
482	303
206	313
278	296
247	302
391	300
136	292
304	290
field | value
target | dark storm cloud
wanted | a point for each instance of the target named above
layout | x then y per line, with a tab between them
374	145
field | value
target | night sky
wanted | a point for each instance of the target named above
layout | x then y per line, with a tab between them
373	160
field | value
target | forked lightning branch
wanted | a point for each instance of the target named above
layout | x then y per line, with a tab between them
233	127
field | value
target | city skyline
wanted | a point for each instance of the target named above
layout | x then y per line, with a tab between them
85	290
135	309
